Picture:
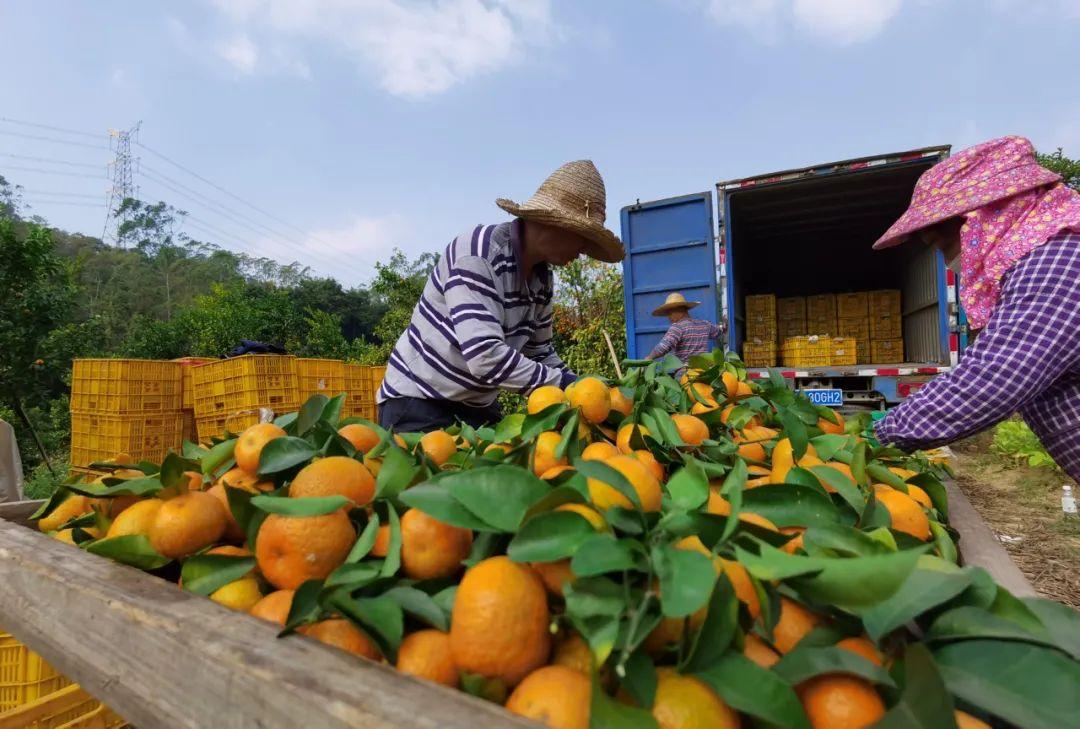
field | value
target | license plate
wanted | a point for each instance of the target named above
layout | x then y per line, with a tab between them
829	398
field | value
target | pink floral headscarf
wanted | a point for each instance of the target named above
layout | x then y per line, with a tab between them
1011	205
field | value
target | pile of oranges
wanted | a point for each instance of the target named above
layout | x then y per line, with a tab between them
665	474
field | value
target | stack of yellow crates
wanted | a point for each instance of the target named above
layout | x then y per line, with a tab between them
791	317
187	394
759	354
231	393
130	406
821	314
853	320
320	377
760	330
842	351
886	330
809	351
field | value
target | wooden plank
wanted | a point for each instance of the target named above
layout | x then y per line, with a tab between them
979	545
19	511
162	657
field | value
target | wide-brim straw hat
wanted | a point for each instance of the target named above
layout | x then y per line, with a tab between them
574	198
672	302
976	177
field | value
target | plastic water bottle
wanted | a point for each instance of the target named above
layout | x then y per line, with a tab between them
1068	502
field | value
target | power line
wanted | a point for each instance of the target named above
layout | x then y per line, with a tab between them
100	195
55	172
54	140
64	202
100	165
46	126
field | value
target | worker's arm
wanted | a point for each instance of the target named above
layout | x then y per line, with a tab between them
665	345
1032	338
476	312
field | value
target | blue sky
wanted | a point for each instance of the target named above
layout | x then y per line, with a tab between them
362	125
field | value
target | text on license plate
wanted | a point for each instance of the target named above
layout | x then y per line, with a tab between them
829	398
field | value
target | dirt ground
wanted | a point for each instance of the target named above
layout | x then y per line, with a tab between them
1023	507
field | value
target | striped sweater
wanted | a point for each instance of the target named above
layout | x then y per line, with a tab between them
478	327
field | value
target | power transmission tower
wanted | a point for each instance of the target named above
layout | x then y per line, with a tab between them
123	183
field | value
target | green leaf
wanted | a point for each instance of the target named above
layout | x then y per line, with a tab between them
305	606
858	583
795	429
546	419
831	540
243	512
205	573
436	501
880	474
848	491
332	412
640	679
933	487
381	618
355	575
606	474
1008	607
733	488
193	451
933	582
393	551
753	690
828	446
967	622
397	472
300	506
485	544
133	550
925	703
665	427
445	599
602	553
686	580
366	541
310	413
173	468
217	456
944	543
49	506
509	428
858	464
806	662
791	505
550	536
1061	621
281	454
1028	685
558	496
499	495
607	713
569	432
594	597
688	487
799	476
420	605
711	641
145	486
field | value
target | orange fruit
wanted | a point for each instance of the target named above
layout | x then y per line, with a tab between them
67	536
238	478
734	387
692	429
362	438
590	514
794	623
71	507
426	654
752	441
839	701
233	532
793	544
903	473
113	506
430	548
230	551
250	443
622	440
381	548
499	626
544	397
555	472
574	653
556	696
619	402
185	524
438	445
830	427
783	459
921	497
685	702
592	397
644	483
555	575
754	422
335	476
274	607
761	476
744	586
654	466
242	594
293	549
906	514
864	647
342	634
719	505
544	454
759	651
965	720
136	519
599	451
843	468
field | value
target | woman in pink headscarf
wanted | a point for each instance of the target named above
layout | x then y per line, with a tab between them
1013	230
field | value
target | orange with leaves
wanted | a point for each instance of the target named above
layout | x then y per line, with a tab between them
439	446
544	458
794	623
362	437
187	523
426	654
431	549
274	607
556	696
839	701
620	403
335	476
604	496
342	634
293	549
906	513
592	397
250	443
691	429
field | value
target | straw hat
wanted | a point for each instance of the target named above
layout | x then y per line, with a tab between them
674	301
574	198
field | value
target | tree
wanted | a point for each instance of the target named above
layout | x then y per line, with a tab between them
589	302
398	285
1069	169
10	199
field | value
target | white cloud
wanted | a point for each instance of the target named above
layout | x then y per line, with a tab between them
839	22
414	48
240	52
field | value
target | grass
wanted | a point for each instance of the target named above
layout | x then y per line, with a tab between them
41	484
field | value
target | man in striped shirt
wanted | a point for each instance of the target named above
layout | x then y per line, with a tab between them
483	322
686	336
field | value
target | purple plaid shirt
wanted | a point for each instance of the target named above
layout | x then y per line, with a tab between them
687	337
1026	359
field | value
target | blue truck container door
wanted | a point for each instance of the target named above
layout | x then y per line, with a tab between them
669	247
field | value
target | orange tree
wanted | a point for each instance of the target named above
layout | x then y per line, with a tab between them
588	302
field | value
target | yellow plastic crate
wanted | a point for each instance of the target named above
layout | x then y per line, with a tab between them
810	351
787	328
376	375
885	314
851	306
187	388
189	431
821	325
862	351
24	675
857	327
146	437
361	394
67	708
216	425
842	351
761	317
125	386
759	354
821	306
792	307
889	351
245	383
320	376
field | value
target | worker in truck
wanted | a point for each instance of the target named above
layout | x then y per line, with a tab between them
686	336
483	322
1012	230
